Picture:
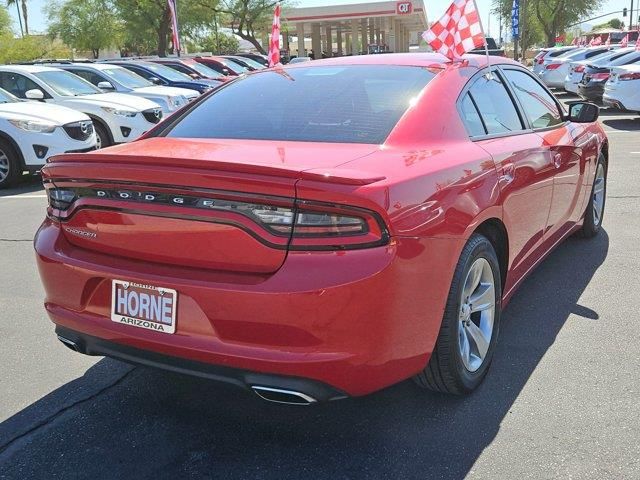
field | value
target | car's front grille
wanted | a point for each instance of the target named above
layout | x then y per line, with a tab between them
79	130
153	115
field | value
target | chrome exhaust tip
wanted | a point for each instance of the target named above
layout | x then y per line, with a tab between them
69	343
287	397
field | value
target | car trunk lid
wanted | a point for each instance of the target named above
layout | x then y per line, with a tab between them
194	203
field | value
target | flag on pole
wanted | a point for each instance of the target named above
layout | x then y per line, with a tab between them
274	43
575	41
458	31
175	34
515	19
595	41
638	44
608	42
624	43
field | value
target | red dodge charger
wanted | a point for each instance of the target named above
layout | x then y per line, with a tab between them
323	230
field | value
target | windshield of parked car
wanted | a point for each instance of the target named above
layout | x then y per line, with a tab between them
236	67
67	84
204	70
126	77
341	104
168	72
6	97
251	63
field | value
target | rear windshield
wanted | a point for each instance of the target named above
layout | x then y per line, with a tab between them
346	104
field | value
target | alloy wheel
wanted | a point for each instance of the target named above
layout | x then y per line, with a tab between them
4	166
598	195
476	316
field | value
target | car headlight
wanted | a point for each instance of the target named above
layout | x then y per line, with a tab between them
34	126
120	112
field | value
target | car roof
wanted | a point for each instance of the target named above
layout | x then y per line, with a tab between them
414	60
28	68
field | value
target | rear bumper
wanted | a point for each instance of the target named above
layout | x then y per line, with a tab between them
591	91
357	320
89	345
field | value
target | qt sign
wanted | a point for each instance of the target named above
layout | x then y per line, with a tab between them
404	8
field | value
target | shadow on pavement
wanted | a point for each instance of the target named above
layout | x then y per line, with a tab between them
153	424
630	124
27	184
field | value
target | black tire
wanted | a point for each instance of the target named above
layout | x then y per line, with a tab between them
446	371
12	163
103	136
592	225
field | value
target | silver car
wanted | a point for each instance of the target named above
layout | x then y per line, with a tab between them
556	71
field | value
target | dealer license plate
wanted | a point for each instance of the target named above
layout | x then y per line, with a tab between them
144	306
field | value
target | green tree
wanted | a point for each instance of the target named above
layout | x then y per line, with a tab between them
148	22
25	13
29	48
613	23
85	24
550	17
218	43
247	18
5	23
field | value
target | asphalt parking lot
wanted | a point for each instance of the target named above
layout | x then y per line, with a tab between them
560	401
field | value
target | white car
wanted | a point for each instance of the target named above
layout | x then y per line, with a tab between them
30	134
622	90
576	69
556	71
547	55
117	117
113	78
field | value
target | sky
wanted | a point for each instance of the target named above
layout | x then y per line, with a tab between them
38	21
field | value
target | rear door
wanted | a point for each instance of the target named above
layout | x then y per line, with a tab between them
545	116
524	168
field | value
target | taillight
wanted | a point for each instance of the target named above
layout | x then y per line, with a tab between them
579	68
629	76
309	225
553	66
60	198
600	76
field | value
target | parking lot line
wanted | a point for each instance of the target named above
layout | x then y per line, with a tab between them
22	196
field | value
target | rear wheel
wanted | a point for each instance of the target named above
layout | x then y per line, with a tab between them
595	209
102	136
470	325
9	165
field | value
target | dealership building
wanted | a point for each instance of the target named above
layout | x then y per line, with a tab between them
353	29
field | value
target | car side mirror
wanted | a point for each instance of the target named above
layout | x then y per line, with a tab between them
583	112
34	94
155	80
226	71
105	86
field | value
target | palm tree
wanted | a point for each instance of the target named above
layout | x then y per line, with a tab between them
24	12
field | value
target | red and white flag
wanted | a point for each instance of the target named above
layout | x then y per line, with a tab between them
624	43
638	43
175	34
608	42
575	41
458	31
274	43
595	41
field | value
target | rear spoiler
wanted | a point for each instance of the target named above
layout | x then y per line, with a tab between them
330	175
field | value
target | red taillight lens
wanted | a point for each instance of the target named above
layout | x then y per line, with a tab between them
629	76
327	227
600	76
579	69
553	66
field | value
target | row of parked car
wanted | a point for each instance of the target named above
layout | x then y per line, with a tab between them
606	74
52	107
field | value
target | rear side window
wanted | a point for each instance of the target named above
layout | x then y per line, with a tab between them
538	105
341	104
471	117
495	105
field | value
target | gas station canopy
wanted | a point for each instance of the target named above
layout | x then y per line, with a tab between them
355	29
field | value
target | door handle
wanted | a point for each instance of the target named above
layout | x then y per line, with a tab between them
557	160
